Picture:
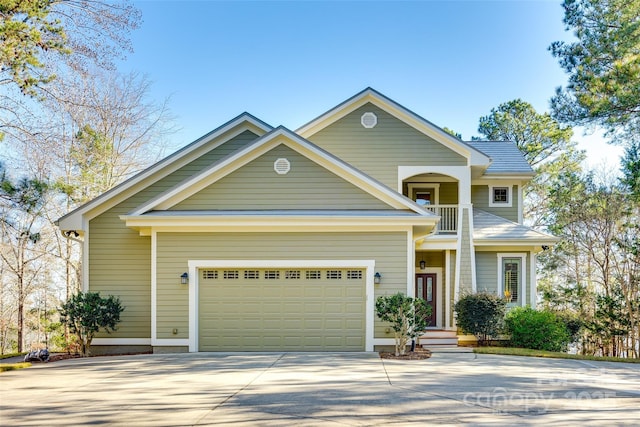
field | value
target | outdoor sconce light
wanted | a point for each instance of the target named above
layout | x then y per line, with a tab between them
184	278
376	278
423	265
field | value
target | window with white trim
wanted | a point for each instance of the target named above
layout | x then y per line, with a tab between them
500	196
511	278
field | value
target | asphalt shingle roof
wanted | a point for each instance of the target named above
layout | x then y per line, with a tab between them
505	155
487	226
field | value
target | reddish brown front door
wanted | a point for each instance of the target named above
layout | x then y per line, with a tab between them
426	289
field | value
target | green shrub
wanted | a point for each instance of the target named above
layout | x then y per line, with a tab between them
480	314
87	313
537	329
408	317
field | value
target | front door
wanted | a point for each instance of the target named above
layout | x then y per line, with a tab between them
426	289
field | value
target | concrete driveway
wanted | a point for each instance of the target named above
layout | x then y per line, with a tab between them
349	389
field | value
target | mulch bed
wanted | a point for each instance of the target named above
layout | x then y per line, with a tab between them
63	356
419	354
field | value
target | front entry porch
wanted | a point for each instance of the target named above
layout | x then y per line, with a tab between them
435	285
428	286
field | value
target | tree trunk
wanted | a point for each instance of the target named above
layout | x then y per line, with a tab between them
20	322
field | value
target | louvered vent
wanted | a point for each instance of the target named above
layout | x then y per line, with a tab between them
282	166
369	120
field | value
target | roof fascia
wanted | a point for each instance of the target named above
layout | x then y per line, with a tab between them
279	221
245	121
280	135
474	156
488	178
549	240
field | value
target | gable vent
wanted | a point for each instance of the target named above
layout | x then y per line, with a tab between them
282	166
369	120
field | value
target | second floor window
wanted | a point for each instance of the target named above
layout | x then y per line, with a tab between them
500	195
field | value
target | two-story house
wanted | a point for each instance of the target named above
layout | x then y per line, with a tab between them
255	238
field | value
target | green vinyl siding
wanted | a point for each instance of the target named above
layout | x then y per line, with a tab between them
480	200
120	264
449	193
380	150
388	249
120	259
256	185
486	272
432	259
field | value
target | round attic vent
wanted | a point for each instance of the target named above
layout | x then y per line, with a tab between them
369	120
282	166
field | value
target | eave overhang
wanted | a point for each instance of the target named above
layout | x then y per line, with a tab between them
550	241
505	176
76	219
233	221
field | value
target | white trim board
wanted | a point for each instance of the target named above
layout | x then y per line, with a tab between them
523	278
121	341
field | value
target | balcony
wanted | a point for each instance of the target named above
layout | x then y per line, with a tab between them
448	217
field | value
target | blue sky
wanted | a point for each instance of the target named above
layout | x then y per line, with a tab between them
287	62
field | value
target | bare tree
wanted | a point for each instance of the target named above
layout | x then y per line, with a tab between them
96	131
21	205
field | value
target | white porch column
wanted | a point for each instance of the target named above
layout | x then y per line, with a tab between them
447	289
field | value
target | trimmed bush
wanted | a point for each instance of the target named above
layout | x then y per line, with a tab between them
408	317
537	329
480	314
87	313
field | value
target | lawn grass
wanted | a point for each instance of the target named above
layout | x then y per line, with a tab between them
8	355
14	366
512	351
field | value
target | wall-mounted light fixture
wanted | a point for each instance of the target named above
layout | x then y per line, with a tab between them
377	278
71	233
423	264
184	278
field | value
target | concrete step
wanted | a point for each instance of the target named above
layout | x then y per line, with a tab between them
449	349
439	337
439	333
438	341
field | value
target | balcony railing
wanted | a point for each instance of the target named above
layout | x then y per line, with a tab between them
448	217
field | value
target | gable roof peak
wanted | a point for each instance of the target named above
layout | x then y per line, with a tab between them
74	220
476	157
